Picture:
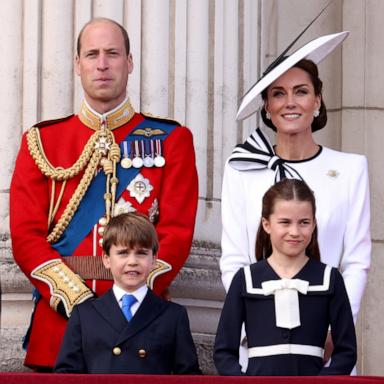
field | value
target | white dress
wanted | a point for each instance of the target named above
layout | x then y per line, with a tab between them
340	184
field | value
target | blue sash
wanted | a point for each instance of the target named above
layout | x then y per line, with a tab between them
92	206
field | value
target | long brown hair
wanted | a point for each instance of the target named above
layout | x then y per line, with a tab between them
287	189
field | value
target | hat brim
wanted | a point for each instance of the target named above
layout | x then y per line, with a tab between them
316	50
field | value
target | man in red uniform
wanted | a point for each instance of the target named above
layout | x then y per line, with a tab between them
73	174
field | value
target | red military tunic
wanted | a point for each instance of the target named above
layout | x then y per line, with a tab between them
173	197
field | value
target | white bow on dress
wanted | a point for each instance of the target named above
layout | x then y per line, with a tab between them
287	308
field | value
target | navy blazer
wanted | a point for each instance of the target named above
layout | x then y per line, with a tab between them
99	339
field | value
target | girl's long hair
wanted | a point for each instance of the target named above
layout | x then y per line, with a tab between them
287	189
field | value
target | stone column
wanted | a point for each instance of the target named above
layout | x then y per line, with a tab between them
155	63
362	132
14	287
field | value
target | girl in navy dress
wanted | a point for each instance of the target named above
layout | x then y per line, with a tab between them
288	299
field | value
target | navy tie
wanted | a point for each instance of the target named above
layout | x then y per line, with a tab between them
127	302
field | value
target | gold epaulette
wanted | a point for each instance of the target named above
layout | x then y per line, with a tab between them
46	123
148	115
65	285
161	267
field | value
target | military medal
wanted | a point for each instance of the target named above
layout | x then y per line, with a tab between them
137	162
139	188
153	211
159	159
123	206
148	159
126	162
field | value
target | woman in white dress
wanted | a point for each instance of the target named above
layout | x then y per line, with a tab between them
291	102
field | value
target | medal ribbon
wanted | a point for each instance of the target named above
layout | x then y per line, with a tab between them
126	153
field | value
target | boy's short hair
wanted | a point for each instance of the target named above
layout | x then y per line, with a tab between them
130	230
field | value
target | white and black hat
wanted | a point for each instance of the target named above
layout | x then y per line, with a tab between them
316	50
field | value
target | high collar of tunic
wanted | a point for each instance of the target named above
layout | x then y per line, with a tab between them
112	119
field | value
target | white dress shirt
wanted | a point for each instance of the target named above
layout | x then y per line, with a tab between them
139	294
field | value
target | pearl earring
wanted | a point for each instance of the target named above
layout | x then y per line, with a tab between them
268	115
316	113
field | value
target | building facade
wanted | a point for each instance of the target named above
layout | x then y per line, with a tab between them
193	60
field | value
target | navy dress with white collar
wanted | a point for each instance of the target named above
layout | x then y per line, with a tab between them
286	350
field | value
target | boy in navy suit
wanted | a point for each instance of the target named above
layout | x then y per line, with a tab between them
147	336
